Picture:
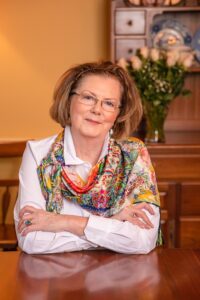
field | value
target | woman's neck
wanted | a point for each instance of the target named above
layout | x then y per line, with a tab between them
87	149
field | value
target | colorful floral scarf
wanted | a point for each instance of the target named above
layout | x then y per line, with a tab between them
124	176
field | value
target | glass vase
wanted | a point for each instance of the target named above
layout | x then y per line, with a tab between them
155	118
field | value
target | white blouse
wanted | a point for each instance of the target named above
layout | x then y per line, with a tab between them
100	232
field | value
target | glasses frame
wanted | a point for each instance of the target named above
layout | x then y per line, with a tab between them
96	98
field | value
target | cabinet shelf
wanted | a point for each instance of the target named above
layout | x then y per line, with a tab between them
180	8
194	69
158	9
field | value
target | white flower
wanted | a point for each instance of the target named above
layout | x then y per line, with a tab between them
173	56
156	102
182	57
122	63
144	51
136	62
152	71
187	62
154	54
186	59
171	61
135	2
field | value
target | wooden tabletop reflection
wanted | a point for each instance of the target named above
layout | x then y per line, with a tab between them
162	274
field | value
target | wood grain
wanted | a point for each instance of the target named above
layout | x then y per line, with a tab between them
12	149
161	274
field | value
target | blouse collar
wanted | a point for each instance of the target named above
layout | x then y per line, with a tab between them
70	156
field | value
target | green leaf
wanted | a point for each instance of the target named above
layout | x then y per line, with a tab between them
186	92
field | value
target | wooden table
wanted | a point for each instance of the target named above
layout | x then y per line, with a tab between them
162	274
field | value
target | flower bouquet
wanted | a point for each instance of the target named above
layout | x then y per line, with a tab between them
159	76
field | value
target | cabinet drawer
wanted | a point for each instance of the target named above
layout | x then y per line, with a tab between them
190	199
127	47
129	22
174	166
190	232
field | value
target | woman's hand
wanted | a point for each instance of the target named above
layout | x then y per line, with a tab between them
40	219
135	215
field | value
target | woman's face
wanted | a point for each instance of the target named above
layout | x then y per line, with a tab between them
94	121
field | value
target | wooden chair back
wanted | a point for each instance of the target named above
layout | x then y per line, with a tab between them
8	196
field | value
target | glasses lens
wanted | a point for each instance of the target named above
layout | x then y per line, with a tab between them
109	105
87	99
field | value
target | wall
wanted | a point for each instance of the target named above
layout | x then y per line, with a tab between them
39	40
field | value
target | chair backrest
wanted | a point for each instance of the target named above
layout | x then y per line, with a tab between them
8	180
8	196
10	157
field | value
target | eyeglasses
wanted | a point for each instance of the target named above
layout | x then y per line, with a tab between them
90	99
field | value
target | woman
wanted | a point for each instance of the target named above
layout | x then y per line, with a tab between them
88	188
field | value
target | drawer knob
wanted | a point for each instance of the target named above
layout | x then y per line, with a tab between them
130	51
130	22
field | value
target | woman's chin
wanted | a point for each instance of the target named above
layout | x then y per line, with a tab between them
91	133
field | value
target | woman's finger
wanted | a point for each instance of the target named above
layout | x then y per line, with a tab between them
28	229
27	217
27	209
139	213
144	217
138	222
146	206
22	224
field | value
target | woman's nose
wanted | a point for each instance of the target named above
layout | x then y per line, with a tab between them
96	108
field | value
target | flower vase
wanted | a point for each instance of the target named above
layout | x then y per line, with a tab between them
155	118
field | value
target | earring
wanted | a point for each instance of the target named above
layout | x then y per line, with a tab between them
111	132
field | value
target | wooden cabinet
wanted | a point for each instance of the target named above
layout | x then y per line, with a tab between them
131	29
128	28
177	166
189	217
176	162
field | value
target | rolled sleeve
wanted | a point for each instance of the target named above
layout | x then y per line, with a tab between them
123	237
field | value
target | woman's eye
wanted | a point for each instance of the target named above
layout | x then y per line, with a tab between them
109	103
88	97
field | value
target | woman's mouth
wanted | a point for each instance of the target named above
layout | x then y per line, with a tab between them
92	121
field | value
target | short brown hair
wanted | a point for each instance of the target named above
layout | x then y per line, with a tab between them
131	107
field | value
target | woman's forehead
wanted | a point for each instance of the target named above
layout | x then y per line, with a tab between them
101	84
